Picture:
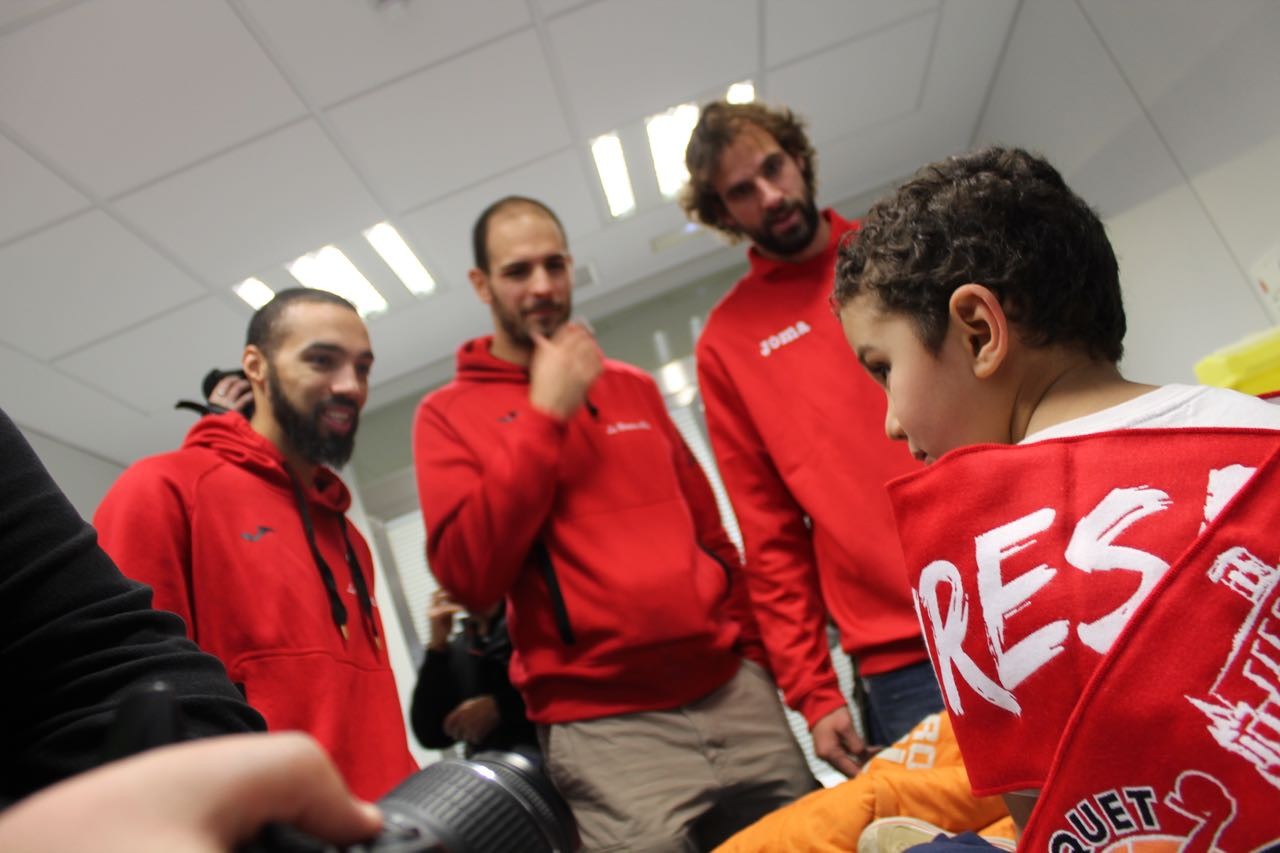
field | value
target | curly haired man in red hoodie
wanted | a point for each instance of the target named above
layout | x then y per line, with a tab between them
242	532
553	476
798	440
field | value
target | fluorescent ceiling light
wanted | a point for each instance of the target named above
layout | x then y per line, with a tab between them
612	166
328	269
668	138
388	243
674	377
741	93
254	292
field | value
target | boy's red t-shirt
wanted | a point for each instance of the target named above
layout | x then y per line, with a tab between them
1027	562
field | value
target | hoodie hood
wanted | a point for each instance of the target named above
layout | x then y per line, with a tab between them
234	440
766	268
477	364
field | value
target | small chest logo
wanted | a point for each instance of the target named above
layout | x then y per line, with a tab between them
626	426
262	530
789	335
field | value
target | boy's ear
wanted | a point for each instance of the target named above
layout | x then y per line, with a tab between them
978	317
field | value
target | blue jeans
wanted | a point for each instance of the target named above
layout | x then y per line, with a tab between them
899	699
963	841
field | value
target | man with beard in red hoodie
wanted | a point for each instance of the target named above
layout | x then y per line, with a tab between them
553	477
242	532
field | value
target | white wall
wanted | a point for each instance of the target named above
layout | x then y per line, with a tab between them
1163	115
84	477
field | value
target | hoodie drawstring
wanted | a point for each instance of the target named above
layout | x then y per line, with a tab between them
336	608
362	589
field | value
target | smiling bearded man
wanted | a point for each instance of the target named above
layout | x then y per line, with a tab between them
243	533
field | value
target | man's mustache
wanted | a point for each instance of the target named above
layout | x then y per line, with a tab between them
544	305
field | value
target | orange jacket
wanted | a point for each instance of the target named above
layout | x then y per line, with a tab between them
922	776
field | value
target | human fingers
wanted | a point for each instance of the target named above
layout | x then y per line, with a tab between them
838	758
253	780
831	741
226	390
444	608
854	746
194	797
239	393
472	719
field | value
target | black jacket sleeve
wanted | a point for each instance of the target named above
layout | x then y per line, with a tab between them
436	693
76	637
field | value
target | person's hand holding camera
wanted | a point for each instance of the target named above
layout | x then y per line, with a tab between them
440	618
232	392
195	797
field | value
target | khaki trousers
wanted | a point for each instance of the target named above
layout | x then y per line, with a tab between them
681	779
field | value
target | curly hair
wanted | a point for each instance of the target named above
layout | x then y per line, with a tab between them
1000	217
718	126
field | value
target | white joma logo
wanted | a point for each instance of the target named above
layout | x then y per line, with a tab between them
789	335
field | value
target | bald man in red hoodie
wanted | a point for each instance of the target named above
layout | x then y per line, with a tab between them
553	477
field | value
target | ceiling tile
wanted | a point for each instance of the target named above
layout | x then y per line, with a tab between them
624	60
425	333
49	401
444	229
132	89
456	123
338	48
81	280
127	441
1057	89
153	365
13	13
881	76
880	154
1208	78
33	196
793	30
1160	50
550	8
262	204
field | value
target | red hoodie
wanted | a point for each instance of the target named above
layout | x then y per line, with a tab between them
798	433
623	589
215	530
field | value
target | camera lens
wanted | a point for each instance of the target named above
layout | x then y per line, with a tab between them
494	801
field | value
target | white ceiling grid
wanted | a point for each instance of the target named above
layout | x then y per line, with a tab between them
155	152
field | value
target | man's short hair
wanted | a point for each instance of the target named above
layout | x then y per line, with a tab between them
718	126
480	231
1002	218
264	327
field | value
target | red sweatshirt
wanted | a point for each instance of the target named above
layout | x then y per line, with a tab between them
215	530
798	433
602	532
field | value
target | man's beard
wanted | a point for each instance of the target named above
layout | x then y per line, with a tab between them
305	434
794	241
517	324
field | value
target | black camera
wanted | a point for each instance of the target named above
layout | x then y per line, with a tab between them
208	407
493	802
